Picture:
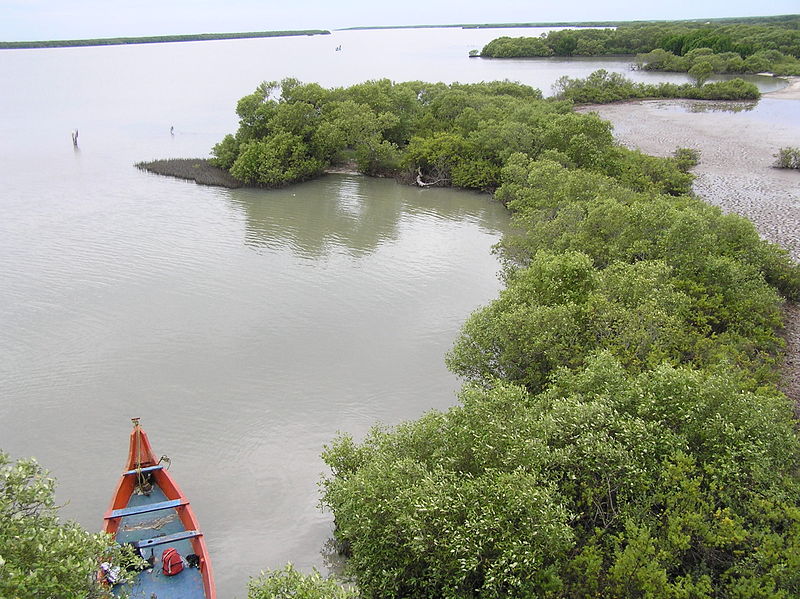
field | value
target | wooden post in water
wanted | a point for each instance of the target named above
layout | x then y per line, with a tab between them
75	138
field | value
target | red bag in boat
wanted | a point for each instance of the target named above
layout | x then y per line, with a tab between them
171	561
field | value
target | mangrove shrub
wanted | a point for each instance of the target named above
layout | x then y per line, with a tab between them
40	556
748	46
602	87
788	158
669	483
619	434
448	135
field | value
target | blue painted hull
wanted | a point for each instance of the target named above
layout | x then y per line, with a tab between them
188	584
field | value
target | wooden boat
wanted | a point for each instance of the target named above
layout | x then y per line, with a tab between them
150	512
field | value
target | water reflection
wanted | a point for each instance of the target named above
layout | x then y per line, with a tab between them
767	109
348	214
721	106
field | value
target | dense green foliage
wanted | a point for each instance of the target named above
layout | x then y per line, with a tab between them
156	39
40	556
652	277
620	434
601	87
288	583
763	45
671	483
771	61
784	20
459	134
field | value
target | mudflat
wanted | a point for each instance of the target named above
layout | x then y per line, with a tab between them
199	170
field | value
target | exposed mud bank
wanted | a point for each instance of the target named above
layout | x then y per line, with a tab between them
202	172
199	170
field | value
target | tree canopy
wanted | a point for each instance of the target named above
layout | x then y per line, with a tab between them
767	44
40	556
619	433
602	87
457	135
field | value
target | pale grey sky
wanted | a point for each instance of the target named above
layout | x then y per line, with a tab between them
71	19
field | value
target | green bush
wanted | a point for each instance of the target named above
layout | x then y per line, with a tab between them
602	87
280	159
457	135
506	47
559	209
39	555
619	434
668	483
288	583
686	158
788	158
225	152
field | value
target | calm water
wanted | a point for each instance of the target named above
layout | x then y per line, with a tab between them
245	327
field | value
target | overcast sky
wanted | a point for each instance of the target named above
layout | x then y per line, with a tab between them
72	19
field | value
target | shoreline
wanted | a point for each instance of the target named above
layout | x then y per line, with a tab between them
790	92
202	172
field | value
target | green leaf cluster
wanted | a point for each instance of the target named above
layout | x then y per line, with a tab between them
39	555
669	483
289	583
602	87
449	135
788	157
652	277
771	61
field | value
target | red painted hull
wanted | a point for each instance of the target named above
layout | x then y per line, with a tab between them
140	455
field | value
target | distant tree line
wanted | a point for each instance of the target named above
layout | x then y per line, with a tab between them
771	61
156	39
738	48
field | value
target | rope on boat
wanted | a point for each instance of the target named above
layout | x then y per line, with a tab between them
142	483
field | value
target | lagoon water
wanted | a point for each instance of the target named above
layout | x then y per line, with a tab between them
245	327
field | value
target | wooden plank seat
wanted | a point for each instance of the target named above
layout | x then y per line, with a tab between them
147	507
143	470
174	537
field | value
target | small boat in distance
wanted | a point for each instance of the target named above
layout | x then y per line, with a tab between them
151	513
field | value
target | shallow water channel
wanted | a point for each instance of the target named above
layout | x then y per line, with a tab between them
244	327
